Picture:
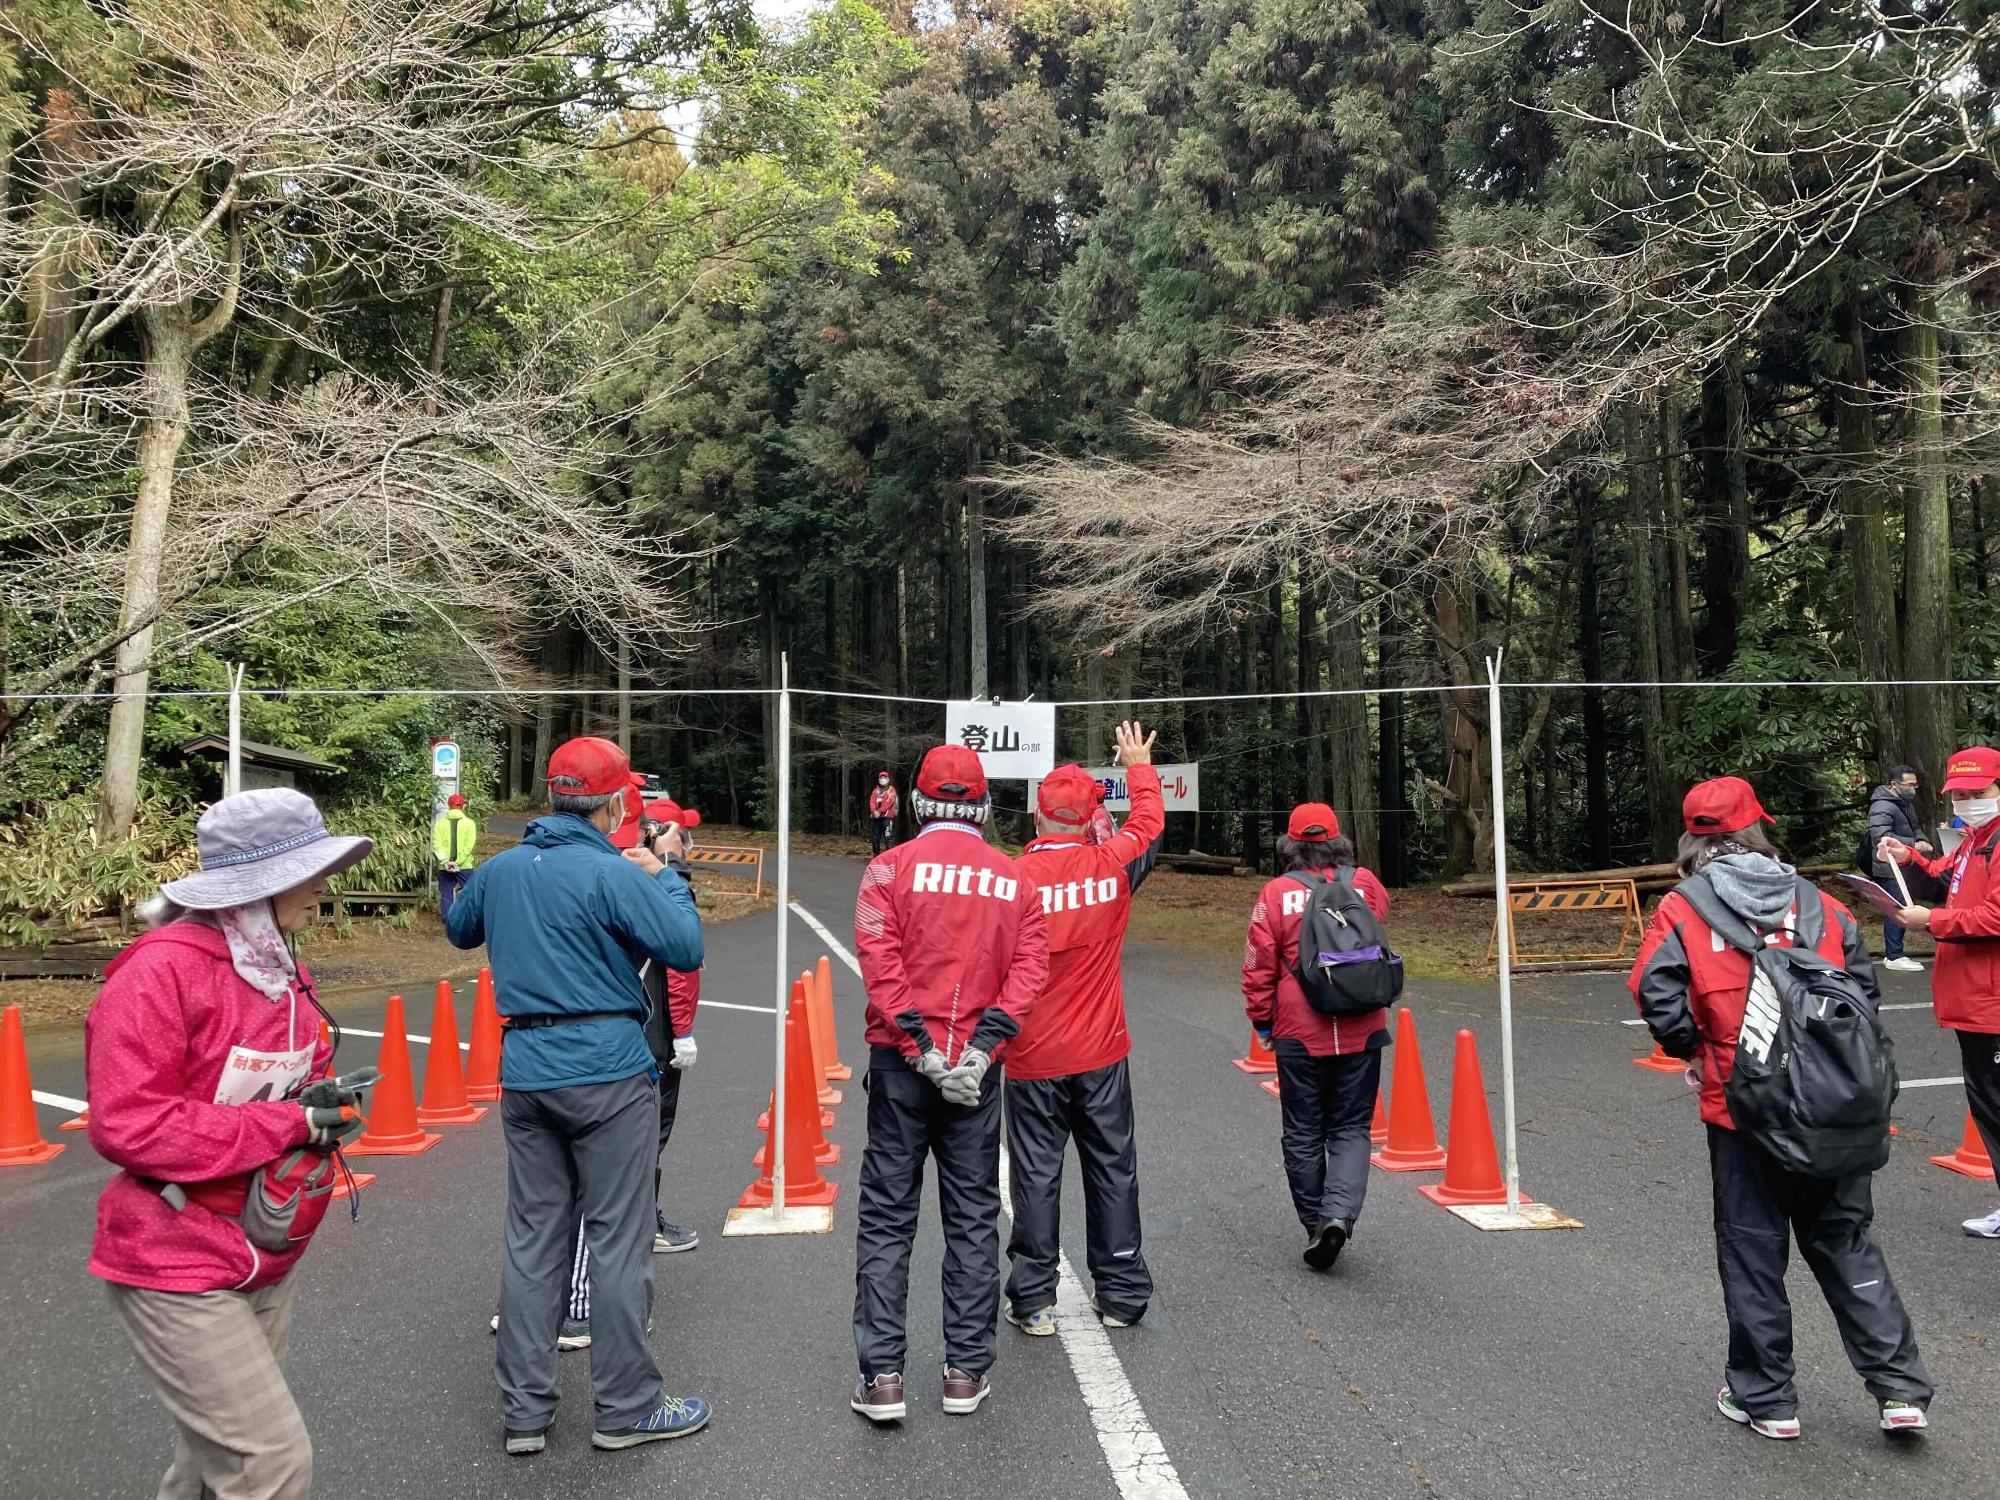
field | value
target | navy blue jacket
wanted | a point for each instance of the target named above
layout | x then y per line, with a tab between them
567	920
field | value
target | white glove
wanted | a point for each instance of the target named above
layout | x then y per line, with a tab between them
961	1084
683	1053
932	1065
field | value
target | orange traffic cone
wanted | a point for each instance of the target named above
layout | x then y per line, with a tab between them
1970	1159
826	1153
816	1028
393	1129
81	1122
342	1190
1378	1128
803	1184
482	1063
444	1075
822	989
1472	1168
21	1143
1259	1059
1659	1062
1412	1145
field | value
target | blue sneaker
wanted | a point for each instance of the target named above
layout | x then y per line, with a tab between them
677	1417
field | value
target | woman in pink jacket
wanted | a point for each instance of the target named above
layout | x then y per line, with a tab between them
207	1088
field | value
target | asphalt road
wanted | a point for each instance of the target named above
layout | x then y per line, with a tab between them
1436	1360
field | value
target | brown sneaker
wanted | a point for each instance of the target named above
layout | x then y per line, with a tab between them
963	1392
881	1399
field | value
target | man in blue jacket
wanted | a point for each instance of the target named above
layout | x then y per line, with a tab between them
567	920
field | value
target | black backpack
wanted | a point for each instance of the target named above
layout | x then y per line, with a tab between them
1345	966
1815	1075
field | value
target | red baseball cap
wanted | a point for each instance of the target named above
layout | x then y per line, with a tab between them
1972	770
1722	806
952	773
1312	823
1069	794
456	799
666	810
590	767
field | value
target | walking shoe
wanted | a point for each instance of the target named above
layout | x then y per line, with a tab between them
671	1239
1903	965
963	1392
1324	1244
677	1417
1038	1324
1784	1429
1987	1228
1903	1416
880	1399
521	1444
1109	1318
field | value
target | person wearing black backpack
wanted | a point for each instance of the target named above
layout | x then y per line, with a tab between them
1326	1020
1796	1080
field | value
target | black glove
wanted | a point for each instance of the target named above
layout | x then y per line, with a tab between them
332	1107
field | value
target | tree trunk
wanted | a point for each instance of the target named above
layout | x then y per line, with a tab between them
624	655
1347	735
1468	813
1725	515
1094	737
510	784
1392	775
1673	512
1590	649
440	331
1313	712
975	572
1928	711
169	355
1640	510
1279	716
48	297
1865	519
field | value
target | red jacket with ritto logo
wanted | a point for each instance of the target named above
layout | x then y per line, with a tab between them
1271	993
947	927
1086	894
1965	982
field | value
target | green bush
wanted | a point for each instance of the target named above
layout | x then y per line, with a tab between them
55	874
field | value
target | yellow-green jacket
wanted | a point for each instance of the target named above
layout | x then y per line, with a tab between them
453	838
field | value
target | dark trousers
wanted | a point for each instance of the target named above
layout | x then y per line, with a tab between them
578	1150
1326	1104
579	1271
908	1119
1759	1207
450	883
1979	1052
1043	1116
1892	938
881	833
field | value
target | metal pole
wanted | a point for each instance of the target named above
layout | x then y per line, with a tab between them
234	782
784	926
1504	928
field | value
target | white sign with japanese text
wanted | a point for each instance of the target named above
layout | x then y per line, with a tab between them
1014	741
1180	787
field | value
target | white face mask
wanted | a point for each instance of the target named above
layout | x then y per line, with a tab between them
1977	811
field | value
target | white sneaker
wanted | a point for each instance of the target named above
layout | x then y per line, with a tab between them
1903	1416
1782	1429
1987	1228
1903	965
1041	1323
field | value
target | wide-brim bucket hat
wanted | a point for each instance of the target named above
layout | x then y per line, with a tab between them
256	844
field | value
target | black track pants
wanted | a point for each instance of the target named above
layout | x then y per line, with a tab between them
1326	1104
1043	1116
1759	1207
1980	1053
908	1119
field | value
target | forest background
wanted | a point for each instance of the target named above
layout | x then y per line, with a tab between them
1088	349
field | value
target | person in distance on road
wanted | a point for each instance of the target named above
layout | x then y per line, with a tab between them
1965	992
1892	814
1066	1072
1692	985
882	803
1329	1066
953	953
209	1091
563	917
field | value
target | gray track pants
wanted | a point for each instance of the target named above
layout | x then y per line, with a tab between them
584	1150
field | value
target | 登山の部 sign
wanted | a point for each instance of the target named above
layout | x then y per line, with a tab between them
1014	741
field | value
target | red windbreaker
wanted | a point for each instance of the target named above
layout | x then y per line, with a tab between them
1271	993
882	802
1965	983
946	926
1086	894
1691	986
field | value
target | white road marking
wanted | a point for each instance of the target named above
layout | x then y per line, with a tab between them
1930	1083
1138	1459
59	1101
407	1036
1907	1005
759	1010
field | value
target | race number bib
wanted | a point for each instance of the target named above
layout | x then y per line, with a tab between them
252	1077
